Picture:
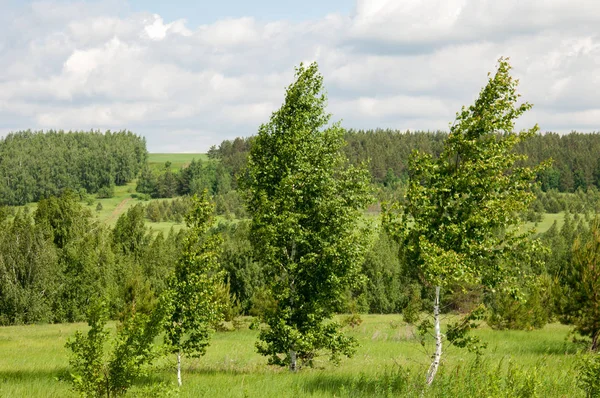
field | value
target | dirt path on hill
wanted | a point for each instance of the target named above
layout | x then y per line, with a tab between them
118	210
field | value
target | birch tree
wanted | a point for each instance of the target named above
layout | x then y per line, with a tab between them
305	203
457	224
193	289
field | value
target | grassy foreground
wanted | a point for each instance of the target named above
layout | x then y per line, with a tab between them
389	362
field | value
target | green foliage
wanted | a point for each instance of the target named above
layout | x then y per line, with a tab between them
96	372
458	224
194	178
29	272
130	234
588	377
414	306
159	259
146	183
458	332
64	219
305	206
193	289
168	210
134	347
89	370
386	289
85	258
89	270
245	274
575	156
533	310
37	165
578	301
462	207
166	183
106	192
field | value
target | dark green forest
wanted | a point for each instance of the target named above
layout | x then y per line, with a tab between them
38	165
575	156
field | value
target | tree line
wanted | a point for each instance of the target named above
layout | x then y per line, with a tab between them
575	163
35	165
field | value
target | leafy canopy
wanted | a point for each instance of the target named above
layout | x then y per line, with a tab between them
192	290
305	204
578	301
462	208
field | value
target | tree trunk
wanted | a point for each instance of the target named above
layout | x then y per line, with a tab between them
107	382
179	368
293	361
595	342
438	339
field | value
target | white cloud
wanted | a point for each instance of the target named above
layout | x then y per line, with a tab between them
231	33
409	64
157	30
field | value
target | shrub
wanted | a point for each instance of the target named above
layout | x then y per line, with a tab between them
588	378
96	373
105	192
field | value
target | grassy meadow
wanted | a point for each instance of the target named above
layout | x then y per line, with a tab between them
113	208
178	160
389	362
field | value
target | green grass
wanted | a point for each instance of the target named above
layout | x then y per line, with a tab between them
113	207
178	160
547	221
389	362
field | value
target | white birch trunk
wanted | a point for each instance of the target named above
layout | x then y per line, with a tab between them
438	339
179	369
293	361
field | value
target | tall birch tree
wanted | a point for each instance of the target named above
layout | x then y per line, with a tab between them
193	289
458	222
305	202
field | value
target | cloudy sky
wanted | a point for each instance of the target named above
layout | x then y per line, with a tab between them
187	74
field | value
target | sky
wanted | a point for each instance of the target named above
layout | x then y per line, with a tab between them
189	74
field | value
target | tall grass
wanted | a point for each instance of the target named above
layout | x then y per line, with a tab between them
389	362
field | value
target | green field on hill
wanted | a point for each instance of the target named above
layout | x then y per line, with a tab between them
113	208
178	160
389	362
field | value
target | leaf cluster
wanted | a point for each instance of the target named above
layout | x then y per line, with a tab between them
192	294
462	208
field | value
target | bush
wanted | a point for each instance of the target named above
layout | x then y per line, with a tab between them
534	311
588	378
97	374
105	192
